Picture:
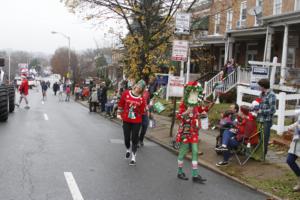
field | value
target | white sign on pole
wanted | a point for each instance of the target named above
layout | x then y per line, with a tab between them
180	50
176	86
258	73
182	23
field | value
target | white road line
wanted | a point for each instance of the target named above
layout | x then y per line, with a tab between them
73	186
46	117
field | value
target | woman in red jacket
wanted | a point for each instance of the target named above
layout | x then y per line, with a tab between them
23	89
131	107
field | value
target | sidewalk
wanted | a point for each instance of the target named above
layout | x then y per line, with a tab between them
272	177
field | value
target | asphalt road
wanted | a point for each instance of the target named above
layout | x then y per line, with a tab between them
60	151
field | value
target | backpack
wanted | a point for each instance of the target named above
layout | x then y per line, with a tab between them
68	90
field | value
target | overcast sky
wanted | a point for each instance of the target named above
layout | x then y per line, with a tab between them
27	25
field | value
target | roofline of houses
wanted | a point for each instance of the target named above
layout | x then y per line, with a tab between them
283	19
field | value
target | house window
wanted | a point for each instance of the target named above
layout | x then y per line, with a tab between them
243	12
259	5
229	20
297	4
277	7
217	23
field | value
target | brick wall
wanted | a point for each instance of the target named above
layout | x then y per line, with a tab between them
267	7
218	6
287	6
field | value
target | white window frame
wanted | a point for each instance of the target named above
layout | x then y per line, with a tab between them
217	23
275	7
257	4
243	6
297	5
229	17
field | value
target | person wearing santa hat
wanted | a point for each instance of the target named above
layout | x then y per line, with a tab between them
23	89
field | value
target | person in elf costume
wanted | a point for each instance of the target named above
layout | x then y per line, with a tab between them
187	134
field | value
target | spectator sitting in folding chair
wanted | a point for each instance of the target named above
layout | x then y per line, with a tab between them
109	106
228	121
242	133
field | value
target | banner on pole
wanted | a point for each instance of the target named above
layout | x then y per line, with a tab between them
180	50
176	86
182	23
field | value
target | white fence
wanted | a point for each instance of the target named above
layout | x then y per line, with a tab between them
281	112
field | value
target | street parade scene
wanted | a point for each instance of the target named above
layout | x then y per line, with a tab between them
150	99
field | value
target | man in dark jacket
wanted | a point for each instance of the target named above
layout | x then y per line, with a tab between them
103	96
55	88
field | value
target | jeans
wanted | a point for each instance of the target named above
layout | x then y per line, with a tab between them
230	141
131	132
291	161
267	131
227	135
145	123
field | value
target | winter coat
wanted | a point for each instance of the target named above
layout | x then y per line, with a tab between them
23	89
295	144
93	98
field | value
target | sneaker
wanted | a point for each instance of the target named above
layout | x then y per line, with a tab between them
222	163
27	107
182	177
198	179
132	163
17	105
221	148
127	155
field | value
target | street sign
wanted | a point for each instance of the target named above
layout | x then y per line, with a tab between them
176	86
258	73
180	50
182	23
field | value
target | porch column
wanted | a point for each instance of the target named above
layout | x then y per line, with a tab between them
230	47
269	43
284	54
226	51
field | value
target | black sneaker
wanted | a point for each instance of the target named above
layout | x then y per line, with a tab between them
222	163
182	177
127	155
221	149
198	179
132	163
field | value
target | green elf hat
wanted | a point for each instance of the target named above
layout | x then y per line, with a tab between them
193	86
141	84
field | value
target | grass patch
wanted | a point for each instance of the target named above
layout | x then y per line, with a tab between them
280	186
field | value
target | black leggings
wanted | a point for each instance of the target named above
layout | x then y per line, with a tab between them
131	131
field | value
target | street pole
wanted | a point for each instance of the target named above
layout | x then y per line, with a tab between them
69	56
188	66
9	68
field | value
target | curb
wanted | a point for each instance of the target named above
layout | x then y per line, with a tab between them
204	164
